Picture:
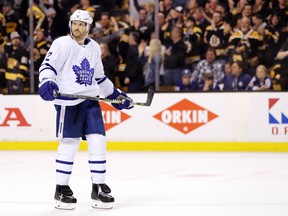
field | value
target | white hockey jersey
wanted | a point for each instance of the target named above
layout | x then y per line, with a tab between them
76	68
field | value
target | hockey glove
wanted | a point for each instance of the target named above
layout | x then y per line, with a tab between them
119	95
47	89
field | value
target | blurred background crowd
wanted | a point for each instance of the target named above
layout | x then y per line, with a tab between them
177	45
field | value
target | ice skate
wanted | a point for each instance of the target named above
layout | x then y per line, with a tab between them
100	196
64	198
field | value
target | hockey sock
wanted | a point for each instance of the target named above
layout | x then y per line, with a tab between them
65	158
97	157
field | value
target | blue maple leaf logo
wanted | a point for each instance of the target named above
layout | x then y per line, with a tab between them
84	73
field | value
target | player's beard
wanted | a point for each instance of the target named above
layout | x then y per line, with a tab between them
78	35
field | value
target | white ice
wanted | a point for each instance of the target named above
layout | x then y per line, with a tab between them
151	183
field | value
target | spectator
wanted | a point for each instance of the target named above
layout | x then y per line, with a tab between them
247	10
281	8
261	81
133	74
282	56
210	7
40	50
239	80
193	42
174	58
155	47
209	84
184	84
12	18
236	6
217	35
109	62
227	68
191	6
107	23
206	84
143	25
258	23
2	26
17	64
227	76
208	65
165	6
86	5
40	20
108	26
59	26
246	43
272	40
50	13
261	7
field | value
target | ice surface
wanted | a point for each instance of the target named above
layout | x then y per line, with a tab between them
151	183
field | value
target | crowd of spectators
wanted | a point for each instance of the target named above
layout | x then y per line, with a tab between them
214	45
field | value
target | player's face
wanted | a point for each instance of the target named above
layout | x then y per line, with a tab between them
79	30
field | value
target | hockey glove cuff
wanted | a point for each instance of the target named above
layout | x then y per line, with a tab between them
48	89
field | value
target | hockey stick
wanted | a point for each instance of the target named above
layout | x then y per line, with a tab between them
150	95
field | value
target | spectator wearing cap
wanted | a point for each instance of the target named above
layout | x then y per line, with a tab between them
184	83
17	64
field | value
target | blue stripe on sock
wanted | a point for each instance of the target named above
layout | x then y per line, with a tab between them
63	172
64	162
97	162
98	171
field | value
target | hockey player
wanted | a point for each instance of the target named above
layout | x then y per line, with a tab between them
73	65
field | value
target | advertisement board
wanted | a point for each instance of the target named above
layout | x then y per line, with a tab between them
182	119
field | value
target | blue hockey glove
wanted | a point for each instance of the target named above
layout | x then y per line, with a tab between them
119	95
47	89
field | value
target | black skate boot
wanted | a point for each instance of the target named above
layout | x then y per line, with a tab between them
64	198
100	196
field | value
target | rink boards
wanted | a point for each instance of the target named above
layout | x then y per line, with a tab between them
174	121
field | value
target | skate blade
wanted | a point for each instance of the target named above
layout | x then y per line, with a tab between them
100	205
64	206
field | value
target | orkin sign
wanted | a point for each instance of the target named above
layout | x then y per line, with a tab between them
185	116
112	116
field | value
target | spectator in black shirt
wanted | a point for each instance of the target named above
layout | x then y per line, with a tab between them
109	62
174	59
